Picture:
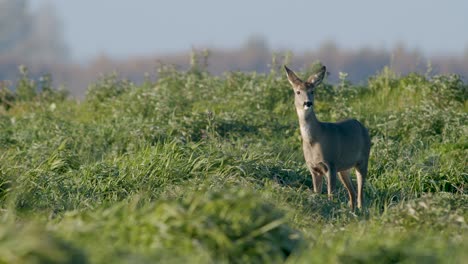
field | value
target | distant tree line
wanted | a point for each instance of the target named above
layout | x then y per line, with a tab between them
254	56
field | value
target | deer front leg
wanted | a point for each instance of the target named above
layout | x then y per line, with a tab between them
317	176
317	180
331	181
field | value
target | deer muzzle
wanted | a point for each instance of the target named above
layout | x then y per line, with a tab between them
307	104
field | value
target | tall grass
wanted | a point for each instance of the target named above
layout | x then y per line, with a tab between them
209	169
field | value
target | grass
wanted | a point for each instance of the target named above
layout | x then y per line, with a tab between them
208	169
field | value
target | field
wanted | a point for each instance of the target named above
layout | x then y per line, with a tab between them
198	168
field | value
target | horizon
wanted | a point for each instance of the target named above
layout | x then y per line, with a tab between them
206	24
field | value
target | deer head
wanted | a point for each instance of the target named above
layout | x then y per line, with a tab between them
304	91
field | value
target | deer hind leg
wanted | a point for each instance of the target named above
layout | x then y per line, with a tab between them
361	174
348	184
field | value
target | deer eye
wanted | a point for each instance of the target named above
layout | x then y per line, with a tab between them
298	92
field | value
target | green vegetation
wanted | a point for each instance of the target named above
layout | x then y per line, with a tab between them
207	169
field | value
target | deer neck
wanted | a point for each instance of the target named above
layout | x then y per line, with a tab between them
309	125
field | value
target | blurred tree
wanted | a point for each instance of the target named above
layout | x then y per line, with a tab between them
256	53
15	24
47	36
29	37
256	44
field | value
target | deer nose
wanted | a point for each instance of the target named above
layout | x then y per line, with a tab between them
308	103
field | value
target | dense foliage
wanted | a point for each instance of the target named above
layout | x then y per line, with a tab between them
206	169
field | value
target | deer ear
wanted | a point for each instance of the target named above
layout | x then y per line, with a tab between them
316	79
292	77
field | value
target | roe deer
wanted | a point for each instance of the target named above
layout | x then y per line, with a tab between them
330	148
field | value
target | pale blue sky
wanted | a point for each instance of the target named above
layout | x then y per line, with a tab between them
144	27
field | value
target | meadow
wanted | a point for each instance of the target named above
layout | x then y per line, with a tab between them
198	168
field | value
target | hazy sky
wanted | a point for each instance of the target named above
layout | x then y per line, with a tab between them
124	27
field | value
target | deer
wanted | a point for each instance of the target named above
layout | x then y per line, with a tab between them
330	148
